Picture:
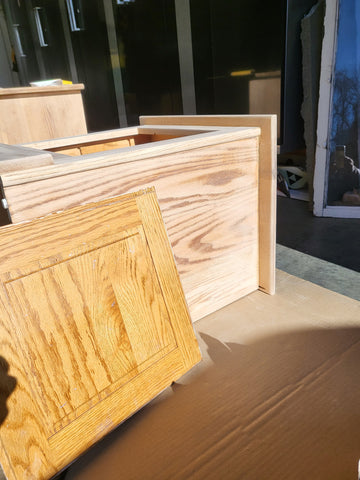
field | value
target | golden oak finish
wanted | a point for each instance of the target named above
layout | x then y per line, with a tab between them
93	325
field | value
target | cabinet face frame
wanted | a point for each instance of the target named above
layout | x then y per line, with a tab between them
94	324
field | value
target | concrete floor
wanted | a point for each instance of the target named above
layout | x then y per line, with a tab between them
325	251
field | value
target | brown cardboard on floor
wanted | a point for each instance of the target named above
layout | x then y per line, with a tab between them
277	396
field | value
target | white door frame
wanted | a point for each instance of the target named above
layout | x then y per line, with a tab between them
324	119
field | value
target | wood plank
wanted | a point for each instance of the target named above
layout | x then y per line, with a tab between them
93	324
175	130
267	178
143	135
143	151
265	95
103	147
113	144
76	140
16	92
208	196
14	158
71	151
158	138
37	113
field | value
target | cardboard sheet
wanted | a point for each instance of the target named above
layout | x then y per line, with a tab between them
277	397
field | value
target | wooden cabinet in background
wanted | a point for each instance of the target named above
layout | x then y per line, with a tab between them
29	114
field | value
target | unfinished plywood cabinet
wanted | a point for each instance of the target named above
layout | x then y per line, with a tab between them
93	325
215	178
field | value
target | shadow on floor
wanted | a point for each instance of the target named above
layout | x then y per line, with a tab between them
336	240
283	407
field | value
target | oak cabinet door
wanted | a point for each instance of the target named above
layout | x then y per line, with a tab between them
93	325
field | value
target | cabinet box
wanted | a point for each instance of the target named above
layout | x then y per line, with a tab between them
215	178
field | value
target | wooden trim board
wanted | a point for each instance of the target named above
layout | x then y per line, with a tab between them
196	137
93	325
22	158
35	91
118	133
56	143
267	178
100	142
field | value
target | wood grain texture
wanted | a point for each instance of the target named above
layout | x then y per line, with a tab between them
146	151
14	158
16	92
208	196
136	136
38	113
71	151
76	140
100	147
93	324
267	178
181	139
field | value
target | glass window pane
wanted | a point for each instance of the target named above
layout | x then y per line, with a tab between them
238	54
149	61
343	170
